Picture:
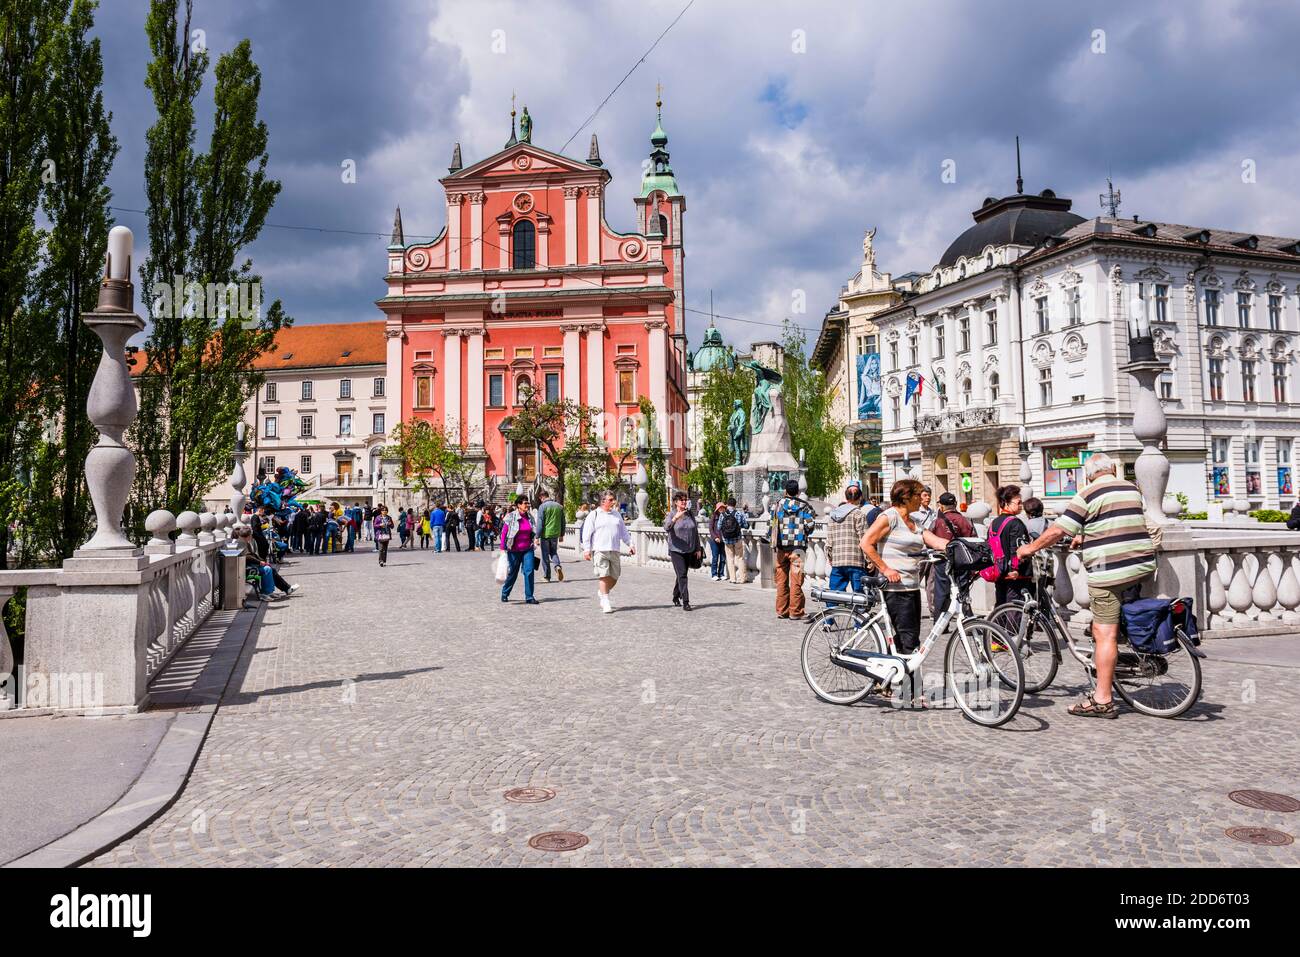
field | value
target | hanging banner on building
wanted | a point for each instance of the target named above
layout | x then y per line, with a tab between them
1284	486
869	386
1222	486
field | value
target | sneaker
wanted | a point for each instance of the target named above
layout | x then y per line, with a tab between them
293	589
559	573
531	601
605	605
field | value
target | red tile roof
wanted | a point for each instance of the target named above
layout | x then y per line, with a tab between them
321	345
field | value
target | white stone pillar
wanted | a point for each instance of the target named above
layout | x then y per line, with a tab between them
543	240
503	242
570	225
572	361
928	399
474	381
451	366
596	365
454	259
394	375
476	230
974	319
659	376
593	224
951	384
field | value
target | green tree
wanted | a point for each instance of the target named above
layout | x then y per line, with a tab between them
81	149
656	486
722	387
28	30
425	452
809	409
563	431
204	209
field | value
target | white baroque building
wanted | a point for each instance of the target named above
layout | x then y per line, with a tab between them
1024	325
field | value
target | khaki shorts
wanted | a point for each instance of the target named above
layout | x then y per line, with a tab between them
1105	602
607	564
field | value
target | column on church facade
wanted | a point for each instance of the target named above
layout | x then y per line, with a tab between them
476	230
596	364
543	241
474	377
570	225
572	361
454	259
593	224
394	374
451	366
977	392
503	241
658	329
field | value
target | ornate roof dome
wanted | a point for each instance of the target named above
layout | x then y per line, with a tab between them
712	354
1022	219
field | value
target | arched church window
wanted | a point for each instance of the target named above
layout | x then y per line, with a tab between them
663	225
965	392
524	239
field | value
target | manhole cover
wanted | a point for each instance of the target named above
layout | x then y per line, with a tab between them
529	795
1260	835
558	841
1266	801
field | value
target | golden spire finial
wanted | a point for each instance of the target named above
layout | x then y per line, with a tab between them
659	96
512	103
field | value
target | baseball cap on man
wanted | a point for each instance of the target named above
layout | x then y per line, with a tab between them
948	500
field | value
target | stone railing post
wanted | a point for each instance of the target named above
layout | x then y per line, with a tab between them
208	523
159	524
8	679
189	523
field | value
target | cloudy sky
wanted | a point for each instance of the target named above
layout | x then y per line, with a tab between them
793	126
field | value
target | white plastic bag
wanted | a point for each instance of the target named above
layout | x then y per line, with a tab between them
502	567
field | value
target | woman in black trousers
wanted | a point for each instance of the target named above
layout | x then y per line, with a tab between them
683	542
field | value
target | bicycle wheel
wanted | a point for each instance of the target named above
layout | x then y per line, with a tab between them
1163	686
1039	649
832	631
984	673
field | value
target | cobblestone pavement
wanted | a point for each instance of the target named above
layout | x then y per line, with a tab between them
384	712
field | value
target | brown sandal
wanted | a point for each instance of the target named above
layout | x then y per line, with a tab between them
1089	708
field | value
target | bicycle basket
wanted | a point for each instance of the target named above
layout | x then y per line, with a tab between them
968	556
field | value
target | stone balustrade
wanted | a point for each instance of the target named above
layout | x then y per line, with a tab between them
95	640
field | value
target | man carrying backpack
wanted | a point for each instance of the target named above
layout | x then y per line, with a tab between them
792	524
948	524
844	530
731	526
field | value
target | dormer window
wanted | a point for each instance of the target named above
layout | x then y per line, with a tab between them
1250	242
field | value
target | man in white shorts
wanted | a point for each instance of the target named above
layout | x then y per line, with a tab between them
601	538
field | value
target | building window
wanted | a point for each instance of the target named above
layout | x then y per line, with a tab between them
345	388
995	385
1279	381
345	425
1063	469
552	387
991	328
963	333
304	465
1248	380
270	392
1211	307
306	391
271	430
524	244
1040	310
1284	486
379	388
894	413
306	427
1162	302
911	348
626	388
1220	452
663	226
938	342
1045	386
424	392
1216	380
1254	477
893	355
1167	385
1074	306
266	465
377	424
496	391
1243	309
965	393
1274	312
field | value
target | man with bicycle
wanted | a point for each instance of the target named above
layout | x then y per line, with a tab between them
1106	518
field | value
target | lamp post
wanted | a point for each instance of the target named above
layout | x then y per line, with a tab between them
238	478
1025	473
1149	423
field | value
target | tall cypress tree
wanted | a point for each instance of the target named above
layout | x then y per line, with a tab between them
203	210
81	150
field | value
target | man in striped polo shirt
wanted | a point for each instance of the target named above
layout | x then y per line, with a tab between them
1106	519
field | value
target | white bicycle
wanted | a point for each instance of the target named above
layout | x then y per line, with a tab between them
849	651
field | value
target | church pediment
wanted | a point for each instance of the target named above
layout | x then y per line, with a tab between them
522	159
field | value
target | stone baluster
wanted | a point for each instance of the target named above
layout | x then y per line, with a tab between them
207	522
1082	598
238	478
1216	595
1264	592
1063	587
1240	598
157	630
1288	587
188	522
8	684
160	523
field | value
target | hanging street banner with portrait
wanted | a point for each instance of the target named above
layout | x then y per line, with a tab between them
869	385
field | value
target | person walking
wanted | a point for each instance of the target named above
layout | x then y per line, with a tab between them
367	524
948	524
792	523
894	544
550	516
1106	520
1013	583
317	529
684	549
451	529
517	534
383	532
402	533
603	534
844	530
298	538
353	519
731	526
469	518
717	552
425	532
438	522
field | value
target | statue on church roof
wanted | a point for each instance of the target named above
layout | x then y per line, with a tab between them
525	127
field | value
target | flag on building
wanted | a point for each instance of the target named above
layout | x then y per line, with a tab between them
914	385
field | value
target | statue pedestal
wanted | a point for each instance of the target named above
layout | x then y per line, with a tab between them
750	482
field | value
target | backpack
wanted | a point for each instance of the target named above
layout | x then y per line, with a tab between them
729	525
1002	564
